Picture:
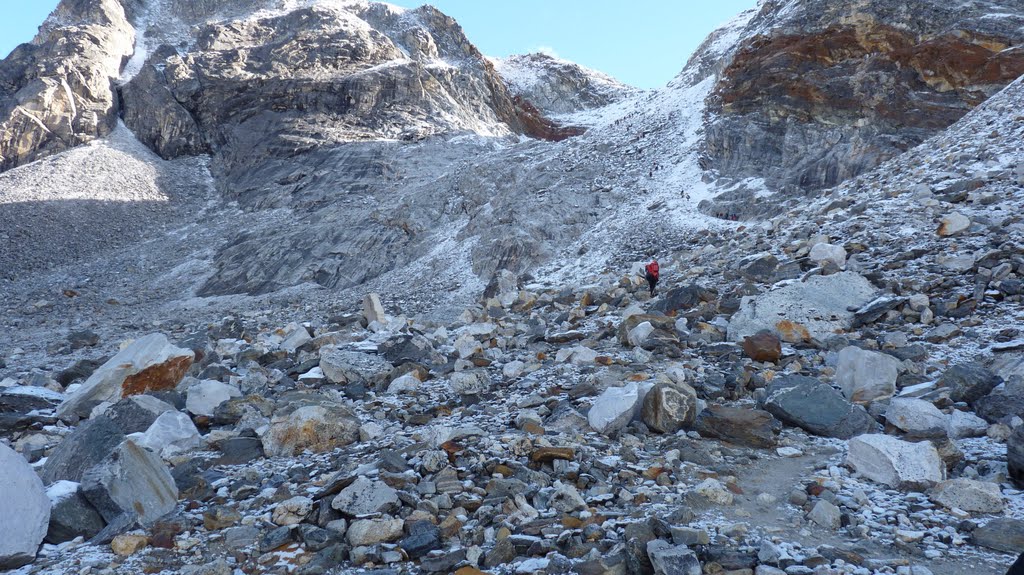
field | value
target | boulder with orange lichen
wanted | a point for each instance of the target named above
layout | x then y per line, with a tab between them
150	363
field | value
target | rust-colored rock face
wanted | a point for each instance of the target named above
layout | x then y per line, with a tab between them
820	92
535	125
159	377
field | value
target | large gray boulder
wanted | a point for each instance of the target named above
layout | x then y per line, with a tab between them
969	382
969	495
816	407
132	480
814	309
25	510
150	363
90	443
896	463
866	376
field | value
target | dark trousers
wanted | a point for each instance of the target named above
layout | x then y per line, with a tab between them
1018	567
651	281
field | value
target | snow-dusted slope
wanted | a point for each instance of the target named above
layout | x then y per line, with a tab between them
557	86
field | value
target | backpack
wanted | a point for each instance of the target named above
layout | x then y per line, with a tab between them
652	268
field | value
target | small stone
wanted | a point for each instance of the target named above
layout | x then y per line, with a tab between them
715	492
292	511
825	514
953	224
125	545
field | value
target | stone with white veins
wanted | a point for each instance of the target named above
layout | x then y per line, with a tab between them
917	417
865	376
150	363
203	398
894	462
24	507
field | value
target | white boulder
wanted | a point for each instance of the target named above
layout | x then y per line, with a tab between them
823	253
865	376
373	310
614	409
173	431
896	463
25	510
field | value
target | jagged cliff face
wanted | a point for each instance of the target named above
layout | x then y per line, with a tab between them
817	92
312	77
58	92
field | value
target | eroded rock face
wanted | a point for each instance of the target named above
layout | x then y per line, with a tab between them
58	91
820	92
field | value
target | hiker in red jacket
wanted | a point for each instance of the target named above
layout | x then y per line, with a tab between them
652	275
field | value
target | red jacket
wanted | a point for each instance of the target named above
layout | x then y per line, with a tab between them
652	269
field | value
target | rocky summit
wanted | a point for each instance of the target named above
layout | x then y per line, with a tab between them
315	286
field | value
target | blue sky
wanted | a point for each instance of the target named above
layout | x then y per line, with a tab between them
644	42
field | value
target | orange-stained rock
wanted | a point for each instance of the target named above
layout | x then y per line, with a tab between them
764	346
150	363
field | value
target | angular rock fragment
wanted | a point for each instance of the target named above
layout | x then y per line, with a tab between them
86	446
131	480
896	463
742	426
816	407
866	376
667	408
